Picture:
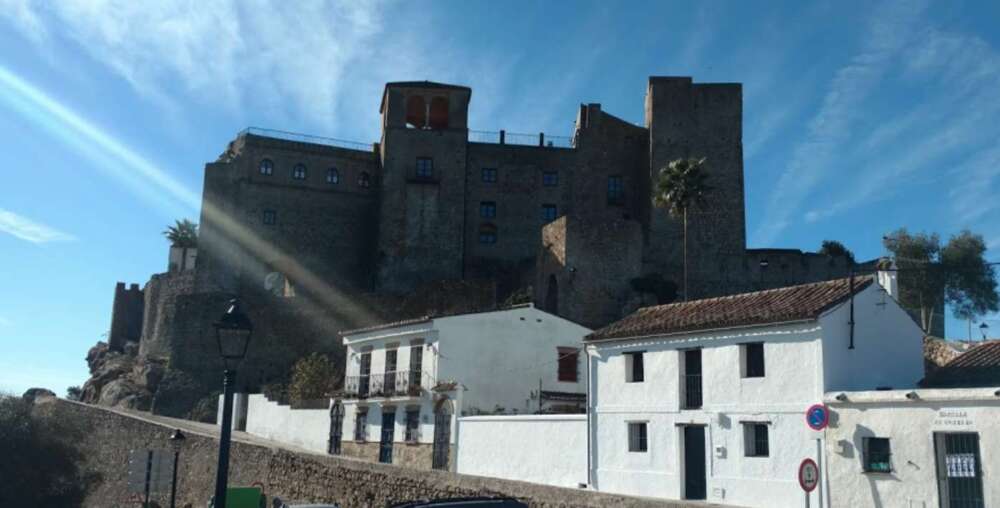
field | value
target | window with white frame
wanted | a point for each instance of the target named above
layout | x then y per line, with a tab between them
637	437
755	439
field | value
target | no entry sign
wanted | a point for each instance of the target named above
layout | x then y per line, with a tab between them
808	475
817	417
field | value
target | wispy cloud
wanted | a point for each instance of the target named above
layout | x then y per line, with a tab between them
31	231
831	127
290	62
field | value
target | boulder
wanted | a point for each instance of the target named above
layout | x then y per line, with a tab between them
37	393
123	393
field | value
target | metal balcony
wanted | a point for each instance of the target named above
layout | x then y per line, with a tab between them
399	383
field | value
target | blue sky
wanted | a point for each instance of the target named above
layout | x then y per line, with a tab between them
856	121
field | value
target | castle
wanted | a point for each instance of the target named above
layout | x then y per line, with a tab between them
318	235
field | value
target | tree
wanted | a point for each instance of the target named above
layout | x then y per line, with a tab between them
37	454
681	185
834	248
957	275
74	393
183	235
313	377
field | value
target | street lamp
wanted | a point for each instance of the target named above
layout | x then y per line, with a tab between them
982	328
232	332
176	442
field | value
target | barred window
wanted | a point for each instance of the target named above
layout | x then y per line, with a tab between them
755	442
266	167
637	437
549	213
412	425
270	217
332	176
616	190
877	455
550	178
488	209
299	172
489	175
360	424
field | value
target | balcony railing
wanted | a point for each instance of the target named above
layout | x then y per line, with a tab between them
306	138
399	383
515	138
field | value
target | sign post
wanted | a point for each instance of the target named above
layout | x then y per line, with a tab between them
808	477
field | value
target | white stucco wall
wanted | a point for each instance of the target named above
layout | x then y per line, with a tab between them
305	428
502	357
791	384
888	344
910	426
548	449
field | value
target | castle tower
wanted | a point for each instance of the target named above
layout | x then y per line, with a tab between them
423	152
126	316
697	120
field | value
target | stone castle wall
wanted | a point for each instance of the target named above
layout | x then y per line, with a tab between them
106	438
126	316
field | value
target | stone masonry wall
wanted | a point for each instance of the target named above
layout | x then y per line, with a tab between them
108	437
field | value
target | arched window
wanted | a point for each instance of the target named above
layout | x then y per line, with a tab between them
332	176
416	112
439	113
336	428
364	181
487	234
299	172
266	167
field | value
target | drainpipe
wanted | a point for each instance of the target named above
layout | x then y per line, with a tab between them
590	475
850	322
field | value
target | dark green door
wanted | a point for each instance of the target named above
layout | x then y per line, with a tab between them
695	484
388	431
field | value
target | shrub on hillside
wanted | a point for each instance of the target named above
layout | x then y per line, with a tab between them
313	377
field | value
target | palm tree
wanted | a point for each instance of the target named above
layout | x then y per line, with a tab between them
183	235
680	186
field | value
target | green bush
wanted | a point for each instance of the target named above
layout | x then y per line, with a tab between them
313	377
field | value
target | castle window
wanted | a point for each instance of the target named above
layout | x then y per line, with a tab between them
487	234
425	167
364	181
299	172
266	167
332	176
549	213
270	217
439	113
550	178
490	175
616	190
487	209
416	112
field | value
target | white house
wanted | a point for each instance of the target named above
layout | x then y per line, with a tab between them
706	399
407	382
916	448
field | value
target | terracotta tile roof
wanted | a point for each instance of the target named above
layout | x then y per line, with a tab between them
979	366
791	303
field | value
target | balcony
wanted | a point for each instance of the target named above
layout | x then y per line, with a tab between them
399	383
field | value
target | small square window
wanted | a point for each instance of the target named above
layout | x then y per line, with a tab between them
425	167
616	190
266	167
753	359
637	437
487	234
364	181
877	455
755	442
549	213
299	172
634	367
550	178
487	209
332	176
270	217
489	175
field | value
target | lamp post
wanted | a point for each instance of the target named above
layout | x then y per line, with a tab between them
176	442
232	332
982	328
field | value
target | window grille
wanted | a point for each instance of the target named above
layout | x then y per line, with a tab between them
637	437
360	426
412	426
877	455
755	440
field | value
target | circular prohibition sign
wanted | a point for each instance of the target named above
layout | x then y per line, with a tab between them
808	475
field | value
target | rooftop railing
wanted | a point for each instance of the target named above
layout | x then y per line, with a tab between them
514	138
306	138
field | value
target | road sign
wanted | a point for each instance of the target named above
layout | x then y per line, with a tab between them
808	475
817	417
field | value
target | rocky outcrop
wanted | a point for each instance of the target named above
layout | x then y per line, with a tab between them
36	393
120	379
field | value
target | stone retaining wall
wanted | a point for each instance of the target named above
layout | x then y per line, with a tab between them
109	435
